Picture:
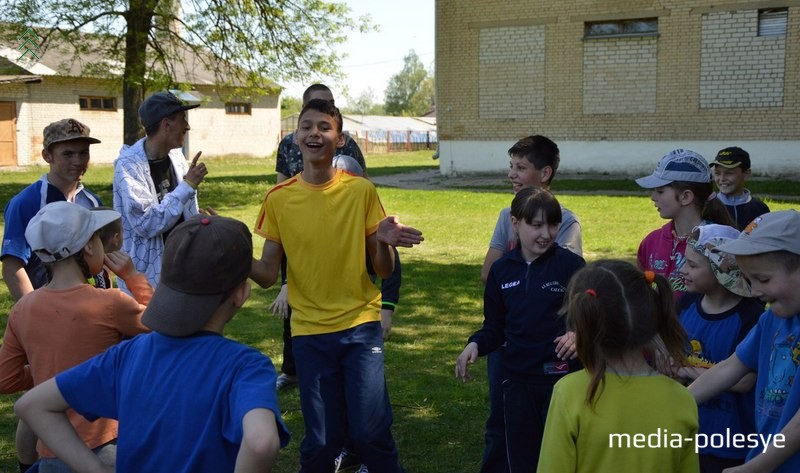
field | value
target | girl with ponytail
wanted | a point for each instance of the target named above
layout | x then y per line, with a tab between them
617	313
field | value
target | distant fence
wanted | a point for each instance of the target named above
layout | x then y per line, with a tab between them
390	141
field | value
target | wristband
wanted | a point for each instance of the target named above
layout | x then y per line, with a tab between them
191	184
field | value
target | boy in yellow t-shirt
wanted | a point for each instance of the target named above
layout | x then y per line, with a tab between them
322	219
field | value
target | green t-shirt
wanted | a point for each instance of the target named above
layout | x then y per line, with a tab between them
633	426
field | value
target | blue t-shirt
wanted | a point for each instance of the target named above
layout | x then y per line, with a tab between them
713	338
772	349
21	209
179	401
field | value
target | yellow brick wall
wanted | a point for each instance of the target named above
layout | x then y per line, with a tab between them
558	100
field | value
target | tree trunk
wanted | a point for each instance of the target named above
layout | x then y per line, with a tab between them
139	20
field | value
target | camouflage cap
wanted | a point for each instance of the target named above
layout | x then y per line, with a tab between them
67	129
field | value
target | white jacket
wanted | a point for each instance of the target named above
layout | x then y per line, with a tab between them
144	219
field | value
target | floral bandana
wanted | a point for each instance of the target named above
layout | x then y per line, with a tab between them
705	239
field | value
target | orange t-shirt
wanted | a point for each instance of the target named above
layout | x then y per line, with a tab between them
51	330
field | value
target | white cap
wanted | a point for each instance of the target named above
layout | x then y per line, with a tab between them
677	165
61	229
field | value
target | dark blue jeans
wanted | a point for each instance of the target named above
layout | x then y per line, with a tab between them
343	392
495	459
526	407
712	464
288	367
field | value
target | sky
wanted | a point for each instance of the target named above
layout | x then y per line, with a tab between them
374	57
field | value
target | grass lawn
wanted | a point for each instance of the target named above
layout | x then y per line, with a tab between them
438	421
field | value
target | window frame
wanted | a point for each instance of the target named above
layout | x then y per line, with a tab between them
232	108
90	107
587	26
780	14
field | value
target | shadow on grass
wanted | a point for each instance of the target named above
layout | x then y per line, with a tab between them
438	420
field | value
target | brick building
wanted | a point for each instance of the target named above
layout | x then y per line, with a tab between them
34	93
618	84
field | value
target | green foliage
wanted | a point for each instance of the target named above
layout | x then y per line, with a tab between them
364	104
290	105
411	91
246	44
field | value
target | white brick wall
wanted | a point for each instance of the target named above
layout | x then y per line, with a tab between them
217	133
511	82
619	75
738	68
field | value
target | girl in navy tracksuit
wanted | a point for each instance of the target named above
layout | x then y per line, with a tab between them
523	295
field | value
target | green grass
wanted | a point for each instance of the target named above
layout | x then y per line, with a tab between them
438	421
760	187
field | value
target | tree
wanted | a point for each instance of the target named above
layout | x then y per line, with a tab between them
364	104
411	91
247	43
290	105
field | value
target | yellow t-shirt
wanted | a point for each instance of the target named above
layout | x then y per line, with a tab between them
323	230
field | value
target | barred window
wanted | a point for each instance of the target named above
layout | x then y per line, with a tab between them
237	108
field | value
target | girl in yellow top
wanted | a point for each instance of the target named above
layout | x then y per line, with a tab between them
620	414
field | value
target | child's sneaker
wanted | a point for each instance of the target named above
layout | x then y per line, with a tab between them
285	381
346	461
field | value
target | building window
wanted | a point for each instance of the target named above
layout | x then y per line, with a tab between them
773	22
107	104
621	28
237	108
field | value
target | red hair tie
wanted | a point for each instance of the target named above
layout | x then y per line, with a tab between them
649	276
591	292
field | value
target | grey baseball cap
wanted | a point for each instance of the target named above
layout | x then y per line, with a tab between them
678	165
774	231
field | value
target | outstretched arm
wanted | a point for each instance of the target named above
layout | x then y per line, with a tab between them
44	410
721	377
390	233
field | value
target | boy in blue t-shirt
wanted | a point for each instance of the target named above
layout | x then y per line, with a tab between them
66	150
717	312
187	398
768	252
